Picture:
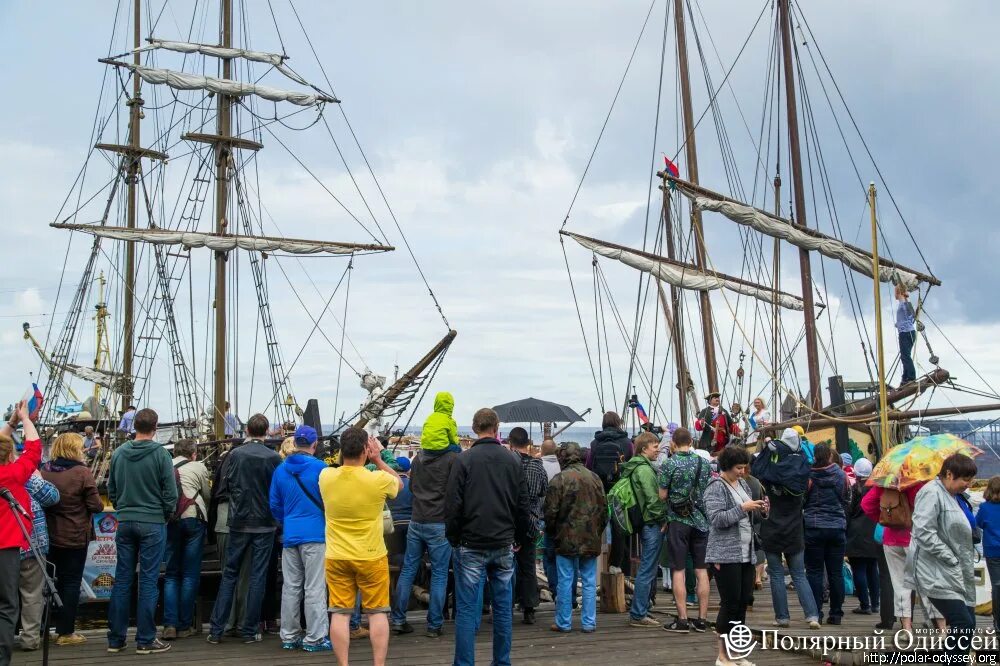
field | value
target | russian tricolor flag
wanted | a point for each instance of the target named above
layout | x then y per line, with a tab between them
671	167
641	413
34	401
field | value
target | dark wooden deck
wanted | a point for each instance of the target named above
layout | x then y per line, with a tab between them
613	643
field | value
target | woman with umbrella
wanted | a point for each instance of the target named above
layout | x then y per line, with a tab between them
943	550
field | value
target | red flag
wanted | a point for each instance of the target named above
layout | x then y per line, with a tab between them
671	167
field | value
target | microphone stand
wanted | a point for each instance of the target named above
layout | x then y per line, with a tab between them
49	587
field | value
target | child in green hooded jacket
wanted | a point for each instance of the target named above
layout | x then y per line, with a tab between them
440	431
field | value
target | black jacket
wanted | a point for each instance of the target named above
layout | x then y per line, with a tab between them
782	531
428	483
247	472
487	505
860	528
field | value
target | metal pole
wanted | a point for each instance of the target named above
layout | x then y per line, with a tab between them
222	156
882	398
135	108
691	154
798	190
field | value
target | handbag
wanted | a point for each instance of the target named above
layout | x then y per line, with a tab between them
388	526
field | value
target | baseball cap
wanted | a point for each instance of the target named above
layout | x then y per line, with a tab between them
404	463
305	436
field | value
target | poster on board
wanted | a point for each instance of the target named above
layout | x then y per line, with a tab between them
102	557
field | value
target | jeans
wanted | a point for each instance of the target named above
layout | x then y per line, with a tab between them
906	341
259	545
421	537
569	569
779	594
961	621
69	563
866	582
550	568
9	568
139	544
473	570
825	550
993	568
303	568
356	615
185	543
652	540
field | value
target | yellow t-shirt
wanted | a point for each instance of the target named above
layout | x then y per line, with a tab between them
354	499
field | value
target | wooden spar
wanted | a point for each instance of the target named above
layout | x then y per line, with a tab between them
132	151
776	311
691	154
410	375
798	191
824	421
135	109
563	429
711	194
671	312
688	267
883	408
231	141
223	152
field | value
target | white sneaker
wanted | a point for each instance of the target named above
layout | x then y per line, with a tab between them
614	570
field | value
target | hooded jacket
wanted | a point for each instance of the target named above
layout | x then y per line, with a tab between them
940	562
301	517
647	490
69	520
440	430
576	510
13	476
602	452
141	483
428	481
826	498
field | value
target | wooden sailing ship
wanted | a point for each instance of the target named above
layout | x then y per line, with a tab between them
187	192
675	253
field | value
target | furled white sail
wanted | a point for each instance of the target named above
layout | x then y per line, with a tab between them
683	275
184	81
274	59
223	243
104	378
778	227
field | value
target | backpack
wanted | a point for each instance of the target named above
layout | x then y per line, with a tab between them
894	510
607	462
687	506
782	470
624	507
183	502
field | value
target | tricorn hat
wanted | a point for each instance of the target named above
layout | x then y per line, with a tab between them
713	394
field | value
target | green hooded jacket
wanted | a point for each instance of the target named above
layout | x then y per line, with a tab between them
440	430
654	510
141	483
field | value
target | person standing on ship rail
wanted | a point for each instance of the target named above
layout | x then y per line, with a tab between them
907	326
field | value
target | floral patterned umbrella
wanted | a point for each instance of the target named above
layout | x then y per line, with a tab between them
918	460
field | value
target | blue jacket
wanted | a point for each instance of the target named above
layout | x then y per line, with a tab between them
988	519
301	518
826	498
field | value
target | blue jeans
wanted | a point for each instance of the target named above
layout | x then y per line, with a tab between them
961	621
652	541
356	615
185	542
421	537
906	340
569	568
473	569
549	565
139	544
779	595
259	546
825	550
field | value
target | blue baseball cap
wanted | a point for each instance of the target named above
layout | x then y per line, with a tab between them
305	436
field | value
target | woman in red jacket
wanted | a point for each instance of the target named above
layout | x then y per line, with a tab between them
13	476
70	527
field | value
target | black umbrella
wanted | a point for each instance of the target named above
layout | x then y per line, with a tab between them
533	410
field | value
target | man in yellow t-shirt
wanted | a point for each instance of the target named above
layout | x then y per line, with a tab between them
354	499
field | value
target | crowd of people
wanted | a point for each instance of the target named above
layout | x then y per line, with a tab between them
694	512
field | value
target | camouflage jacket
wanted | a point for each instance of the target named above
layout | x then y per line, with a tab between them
576	512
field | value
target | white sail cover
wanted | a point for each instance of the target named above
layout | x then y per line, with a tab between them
104	378
777	227
275	60
184	81
223	243
683	277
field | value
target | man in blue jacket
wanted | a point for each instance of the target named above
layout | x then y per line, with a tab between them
296	504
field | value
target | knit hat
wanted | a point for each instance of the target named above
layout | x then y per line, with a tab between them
798	429
863	468
404	463
847	459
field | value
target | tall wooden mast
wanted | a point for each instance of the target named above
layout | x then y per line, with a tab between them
135	109
672	313
223	150
691	154
798	191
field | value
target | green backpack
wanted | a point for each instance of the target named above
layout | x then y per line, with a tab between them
623	506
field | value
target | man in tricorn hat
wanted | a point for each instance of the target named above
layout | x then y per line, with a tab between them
715	424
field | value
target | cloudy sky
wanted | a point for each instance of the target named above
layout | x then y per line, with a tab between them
478	120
